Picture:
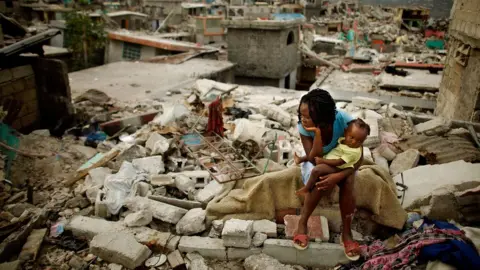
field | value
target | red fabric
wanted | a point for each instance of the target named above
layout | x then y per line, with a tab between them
215	118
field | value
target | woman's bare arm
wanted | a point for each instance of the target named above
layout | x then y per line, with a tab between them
313	147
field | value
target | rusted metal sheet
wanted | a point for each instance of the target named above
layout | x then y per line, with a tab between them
446	149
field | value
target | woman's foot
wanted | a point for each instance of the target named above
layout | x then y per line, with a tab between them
302	192
351	247
301	239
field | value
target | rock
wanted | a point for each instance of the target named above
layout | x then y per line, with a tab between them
184	183
18	208
96	177
367	154
373	140
442	205
237	233
121	248
276	113
192	222
162	211
162	180
367	103
263	261
216	230
265	226
131	153
380	160
138	219
436	126
77	201
404	161
197	262
77	263
209	192
92	193
258	239
372	114
114	266
151	165
157	144
385	151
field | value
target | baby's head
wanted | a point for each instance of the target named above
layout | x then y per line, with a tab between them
356	133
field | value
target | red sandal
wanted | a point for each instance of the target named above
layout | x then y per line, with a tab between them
303	239
351	247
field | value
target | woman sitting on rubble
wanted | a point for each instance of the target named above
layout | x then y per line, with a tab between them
320	127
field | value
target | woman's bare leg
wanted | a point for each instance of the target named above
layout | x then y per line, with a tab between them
347	207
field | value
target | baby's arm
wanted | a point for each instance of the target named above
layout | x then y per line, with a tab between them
330	162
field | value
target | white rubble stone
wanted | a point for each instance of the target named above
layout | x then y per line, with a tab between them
121	248
161	180
394	109
276	113
140	218
404	161
367	154
115	266
162	211
436	126
380	160
258	239
209	192
373	140
184	183
192	222
459	131
92	193
200	177
265	226
350	108
205	246
197	262
367	103
263	261
157	144
96	177
256	117
216	230
242	253
386	152
290	106
372	114
423	179
341	104
152	165
87	227
237	233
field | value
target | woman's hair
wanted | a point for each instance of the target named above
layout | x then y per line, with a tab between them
321	107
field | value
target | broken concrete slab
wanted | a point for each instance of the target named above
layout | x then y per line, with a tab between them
162	180
284	251
205	246
186	204
150	237
88	227
175	260
265	226
96	177
367	103
242	253
237	233
276	113
380	160
385	151
436	126
423	179
15	265
263	261
151	165
317	227
157	144
138	219
31	247
192	222
209	192
162	211
373	140
197	262
415	80
216	230
184	183
129	154
121	248
404	161
173	242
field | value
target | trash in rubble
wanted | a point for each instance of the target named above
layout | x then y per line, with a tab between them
127	138
56	229
237	112
68	241
117	186
93	95
211	90
171	113
94	138
390	69
249	130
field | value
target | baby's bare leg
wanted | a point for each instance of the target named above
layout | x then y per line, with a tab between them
317	171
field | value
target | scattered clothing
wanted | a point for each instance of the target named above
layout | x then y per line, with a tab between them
215	118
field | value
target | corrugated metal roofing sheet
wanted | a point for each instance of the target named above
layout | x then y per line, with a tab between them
446	149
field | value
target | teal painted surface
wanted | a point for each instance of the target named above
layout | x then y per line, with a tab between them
8	136
438	44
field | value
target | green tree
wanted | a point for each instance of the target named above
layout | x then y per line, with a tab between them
85	38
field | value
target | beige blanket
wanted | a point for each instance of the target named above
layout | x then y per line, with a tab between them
260	197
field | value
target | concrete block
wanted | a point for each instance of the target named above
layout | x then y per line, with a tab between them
22	71
157	144
385	151
151	237
205	246
175	260
192	222
186	204
201	178
209	192
152	165
137	219
32	245
367	103
258	239
121	248
173	242
162	211
404	161
265	226
380	160
373	140
317	227
285	252
241	253
436	126
88	227
161	180
237	233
